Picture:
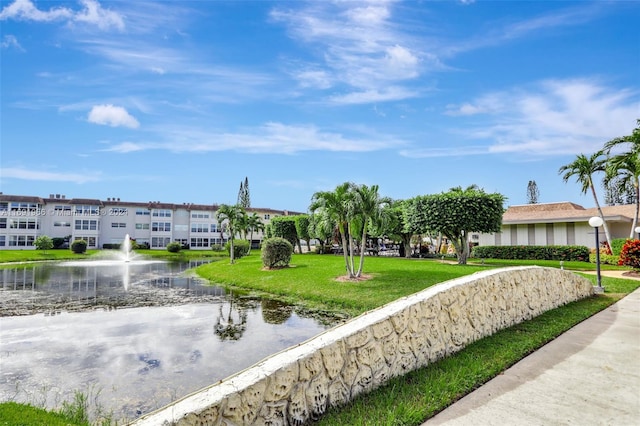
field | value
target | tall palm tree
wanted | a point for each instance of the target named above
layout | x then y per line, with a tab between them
626	166
583	168
366	207
335	204
253	223
234	216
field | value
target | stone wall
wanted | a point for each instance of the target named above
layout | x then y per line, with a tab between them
300	383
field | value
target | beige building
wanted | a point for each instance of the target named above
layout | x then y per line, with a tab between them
24	218
561	223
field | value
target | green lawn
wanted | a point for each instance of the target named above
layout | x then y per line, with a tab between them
311	282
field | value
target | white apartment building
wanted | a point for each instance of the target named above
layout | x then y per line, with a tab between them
24	218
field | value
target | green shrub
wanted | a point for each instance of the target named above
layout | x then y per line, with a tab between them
58	242
616	245
276	252
240	248
216	247
174	247
630	254
579	253
79	246
605	259
43	243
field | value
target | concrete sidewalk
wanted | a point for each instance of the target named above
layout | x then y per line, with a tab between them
590	375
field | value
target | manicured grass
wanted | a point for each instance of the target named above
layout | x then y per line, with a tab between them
571	265
14	414
311	280
39	255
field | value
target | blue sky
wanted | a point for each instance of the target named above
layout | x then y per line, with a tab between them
179	101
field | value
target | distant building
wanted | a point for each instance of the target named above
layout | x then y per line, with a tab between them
98	222
561	223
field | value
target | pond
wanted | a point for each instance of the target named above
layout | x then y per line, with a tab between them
133	337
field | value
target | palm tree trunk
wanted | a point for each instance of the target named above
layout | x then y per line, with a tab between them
345	250
635	216
364	235
607	234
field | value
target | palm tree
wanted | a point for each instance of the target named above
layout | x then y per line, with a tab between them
366	207
335	205
583	168
626	166
233	215
253	223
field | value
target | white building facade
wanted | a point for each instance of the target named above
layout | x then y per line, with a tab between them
99	222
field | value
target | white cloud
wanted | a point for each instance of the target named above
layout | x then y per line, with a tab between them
272	138
91	13
374	95
27	11
553	117
11	41
31	174
113	116
359	47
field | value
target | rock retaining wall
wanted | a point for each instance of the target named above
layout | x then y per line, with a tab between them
300	383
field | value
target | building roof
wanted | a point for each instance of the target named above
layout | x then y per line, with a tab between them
564	212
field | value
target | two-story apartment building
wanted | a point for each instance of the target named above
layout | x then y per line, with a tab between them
24	218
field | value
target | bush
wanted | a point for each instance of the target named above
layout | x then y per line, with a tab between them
579	253
79	246
43	243
216	247
240	248
58	242
616	245
630	254
174	247
276	252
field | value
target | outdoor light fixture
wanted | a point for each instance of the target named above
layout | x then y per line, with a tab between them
637	229
596	222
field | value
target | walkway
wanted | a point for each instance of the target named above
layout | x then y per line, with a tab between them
590	375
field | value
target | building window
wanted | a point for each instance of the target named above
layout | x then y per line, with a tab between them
87	210
181	228
161	227
118	225
61	209
64	224
214	227
267	216
161	213
183	241
199	215
86	225
4	207
142	226
199	227
199	242
21	240
157	242
142	212
24	224
2	240
24	206
3	223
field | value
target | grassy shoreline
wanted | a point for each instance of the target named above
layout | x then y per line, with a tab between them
310	283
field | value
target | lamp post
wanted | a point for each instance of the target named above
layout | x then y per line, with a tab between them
637	229
596	222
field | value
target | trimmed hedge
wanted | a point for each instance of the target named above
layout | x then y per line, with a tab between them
616	245
579	253
79	246
276	252
240	248
174	247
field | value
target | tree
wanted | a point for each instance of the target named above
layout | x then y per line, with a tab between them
233	215
532	192
335	206
244	198
322	228
253	223
456	214
285	227
302	228
583	168
43	243
625	167
366	208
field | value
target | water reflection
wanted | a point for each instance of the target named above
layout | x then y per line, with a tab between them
137	359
